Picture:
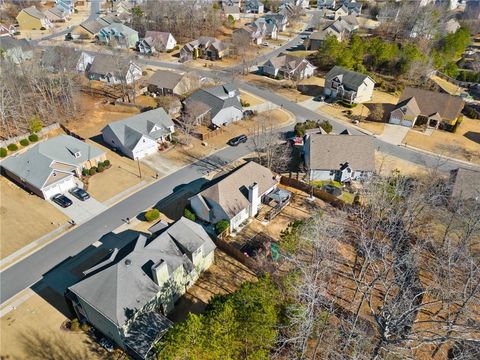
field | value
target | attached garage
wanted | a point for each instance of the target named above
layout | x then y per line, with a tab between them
59	187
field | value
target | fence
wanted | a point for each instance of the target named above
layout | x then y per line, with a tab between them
232	251
208	135
16	139
71	133
454	81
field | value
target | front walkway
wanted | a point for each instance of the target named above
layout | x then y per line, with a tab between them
394	134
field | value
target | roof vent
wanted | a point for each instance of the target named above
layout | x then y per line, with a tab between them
128	262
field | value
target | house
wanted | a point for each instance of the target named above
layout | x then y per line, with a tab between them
89	29
32	19
418	107
124	7
236	197
156	41
67	6
139	135
326	4
288	67
127	296
254	31
114	70
64	59
269	27
254	7
341	158
354	8
233	11
165	82
204	47
280	19
6	30
329	28
349	86
16	50
118	35
339	11
51	166
464	184
56	14
219	105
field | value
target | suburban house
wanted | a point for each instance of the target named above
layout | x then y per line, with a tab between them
465	184
114	70
56	14
233	11
166	82
89	29
419	107
127	295
16	50
316	38
350	86
236	197
326	4
339	11
218	105
288	67
67	6
254	31
281	20
341	158
254	7
51	166
204	47
64	59
118	35
156	41
270	27
140	135
32	19
7	31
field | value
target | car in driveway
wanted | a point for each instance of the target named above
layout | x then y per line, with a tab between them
237	140
62	200
79	193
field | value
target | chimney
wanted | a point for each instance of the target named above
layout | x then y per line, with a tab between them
160	272
253	199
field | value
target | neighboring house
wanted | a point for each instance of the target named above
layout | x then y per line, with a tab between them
281	20
268	27
156	41
236	197
354	8
16	50
67	6
349	86
114	70
118	35
89	29
56	14
6	30
218	105
127	296
64	59
341	158
254	31
418	107
32	19
166	82
465	184
339	11
288	67
139	135
51	166
233	11
254	7
329	28
326	4
204	47
124	7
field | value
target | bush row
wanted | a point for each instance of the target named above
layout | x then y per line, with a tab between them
14	147
101	166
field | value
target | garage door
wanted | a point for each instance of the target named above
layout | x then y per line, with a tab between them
394	121
59	187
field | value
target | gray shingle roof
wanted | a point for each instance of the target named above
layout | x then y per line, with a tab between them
154	37
35	165
126	285
328	152
60	56
104	64
217	98
165	79
130	130
350	79
34	12
94	26
8	42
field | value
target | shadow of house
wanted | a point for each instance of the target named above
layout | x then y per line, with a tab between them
386	108
310	90
473	135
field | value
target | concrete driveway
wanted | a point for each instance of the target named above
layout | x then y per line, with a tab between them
394	134
160	164
81	211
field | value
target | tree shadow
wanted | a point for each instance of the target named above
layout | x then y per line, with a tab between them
310	90
387	109
473	135
188	303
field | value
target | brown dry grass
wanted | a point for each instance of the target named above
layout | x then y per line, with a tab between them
251	99
447	86
463	145
146	101
24	217
385	165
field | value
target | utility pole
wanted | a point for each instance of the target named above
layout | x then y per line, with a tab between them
139	169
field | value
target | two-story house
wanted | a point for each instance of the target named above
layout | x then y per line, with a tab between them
118	35
156	41
288	67
113	70
204	47
349	86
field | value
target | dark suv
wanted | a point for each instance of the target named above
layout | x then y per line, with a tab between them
80	194
237	140
62	200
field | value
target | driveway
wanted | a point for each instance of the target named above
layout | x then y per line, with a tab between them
394	134
81	211
160	164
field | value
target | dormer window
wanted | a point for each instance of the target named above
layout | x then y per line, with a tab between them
77	154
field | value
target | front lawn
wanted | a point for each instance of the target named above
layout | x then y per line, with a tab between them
320	183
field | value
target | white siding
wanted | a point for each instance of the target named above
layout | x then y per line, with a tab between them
144	147
59	187
227	115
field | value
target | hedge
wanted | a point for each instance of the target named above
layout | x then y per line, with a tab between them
12	147
221	226
106	163
24	142
92	171
3	152
33	137
346	104
100	167
152	214
189	214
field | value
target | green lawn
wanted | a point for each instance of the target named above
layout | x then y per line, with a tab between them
320	183
347	197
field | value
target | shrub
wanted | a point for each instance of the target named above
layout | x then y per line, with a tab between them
346	104
24	142
74	325
85	327
35	124
221	226
12	147
33	137
3	152
92	171
106	163
189	214
325	125
100	167
152	215
85	172
244	103
43	28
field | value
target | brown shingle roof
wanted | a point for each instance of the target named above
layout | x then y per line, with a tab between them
465	183
430	102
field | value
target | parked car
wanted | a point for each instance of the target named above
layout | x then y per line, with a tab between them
265	44
319	98
248	113
331	189
237	140
62	200
79	193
